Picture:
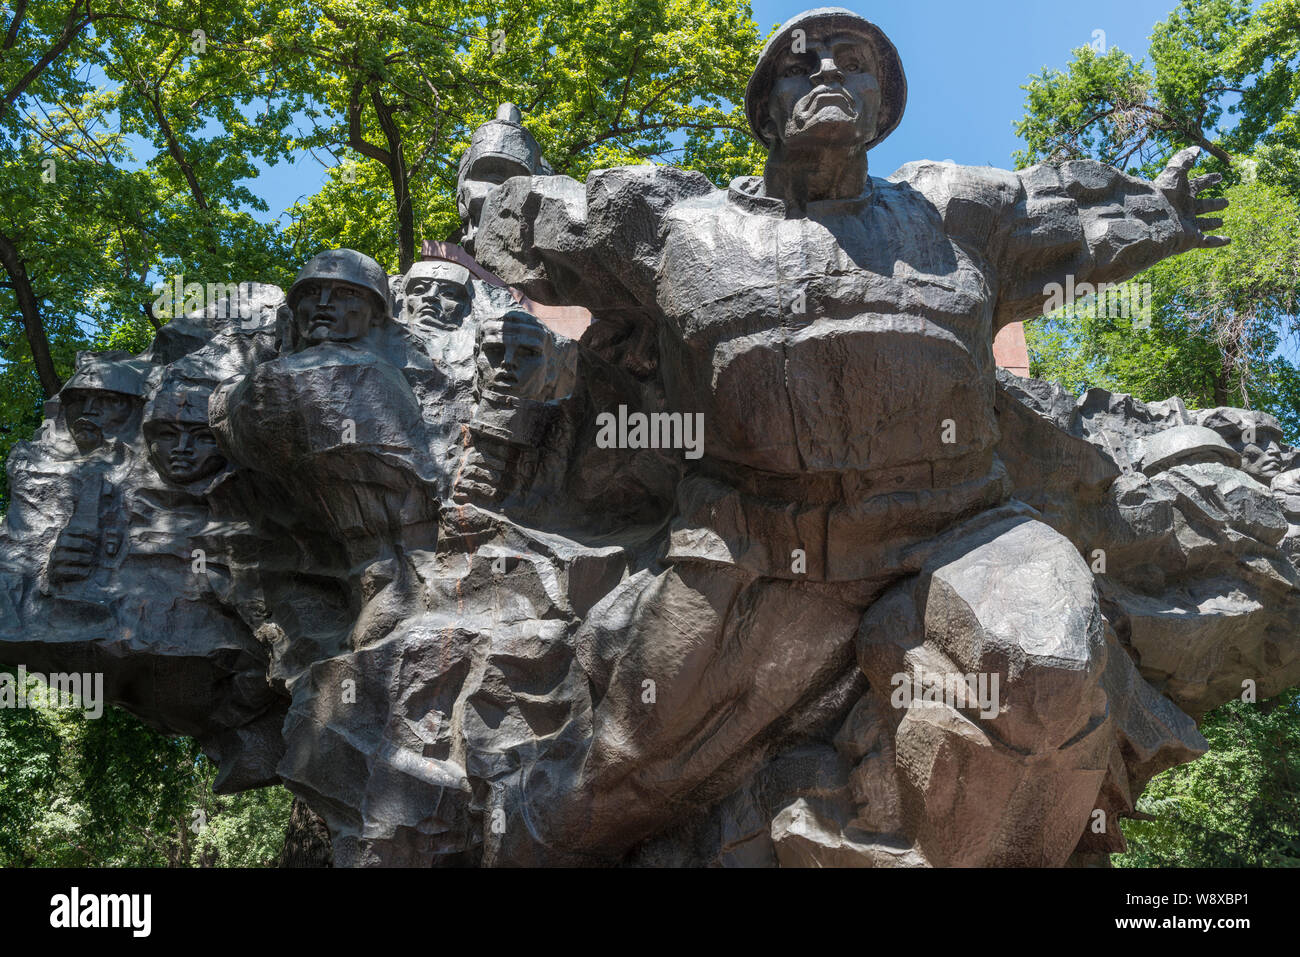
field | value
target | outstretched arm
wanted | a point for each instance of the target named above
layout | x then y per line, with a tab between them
594	245
1091	222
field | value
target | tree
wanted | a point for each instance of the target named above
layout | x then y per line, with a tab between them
81	792
1210	60
85	223
1226	78
398	89
1216	319
1239	806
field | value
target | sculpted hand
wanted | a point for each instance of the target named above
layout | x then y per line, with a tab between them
480	476
73	557
1182	194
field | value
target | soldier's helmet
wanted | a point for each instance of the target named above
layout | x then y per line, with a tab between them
178	402
503	139
889	67
108	372
343	265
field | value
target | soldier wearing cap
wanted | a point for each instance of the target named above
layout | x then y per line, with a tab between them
181	445
435	295
836	332
102	398
338	296
499	149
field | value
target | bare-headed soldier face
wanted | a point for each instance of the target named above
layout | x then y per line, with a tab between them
826	94
183	452
512	358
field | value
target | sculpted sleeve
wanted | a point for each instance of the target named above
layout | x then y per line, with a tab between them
1087	220
596	246
1036	226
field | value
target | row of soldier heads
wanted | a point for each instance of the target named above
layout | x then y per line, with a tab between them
340	296
343	296
112	398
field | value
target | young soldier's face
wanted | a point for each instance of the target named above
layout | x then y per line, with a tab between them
512	359
184	452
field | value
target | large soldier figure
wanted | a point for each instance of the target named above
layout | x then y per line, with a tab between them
836	331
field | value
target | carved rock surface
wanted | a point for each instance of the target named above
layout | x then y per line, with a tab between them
771	567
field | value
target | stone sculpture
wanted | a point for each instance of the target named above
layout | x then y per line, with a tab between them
499	149
470	593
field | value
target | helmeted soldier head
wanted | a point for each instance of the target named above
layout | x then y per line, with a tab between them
499	149
1256	435
181	445
338	296
827	76
435	294
102	397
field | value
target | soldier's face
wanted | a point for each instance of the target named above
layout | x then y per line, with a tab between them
93	416
827	94
482	177
512	360
1265	455
332	311
184	452
440	303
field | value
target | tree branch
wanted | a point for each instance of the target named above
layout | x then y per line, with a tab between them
20	10
401	183
71	28
30	309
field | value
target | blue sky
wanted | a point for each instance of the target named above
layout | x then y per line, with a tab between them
967	59
965	62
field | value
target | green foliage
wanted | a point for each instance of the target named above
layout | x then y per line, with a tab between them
245	830
1217	320
79	792
1239	806
1225	77
1221	76
600	84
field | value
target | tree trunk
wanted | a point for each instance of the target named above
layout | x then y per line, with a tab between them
306	840
393	160
396	166
30	309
